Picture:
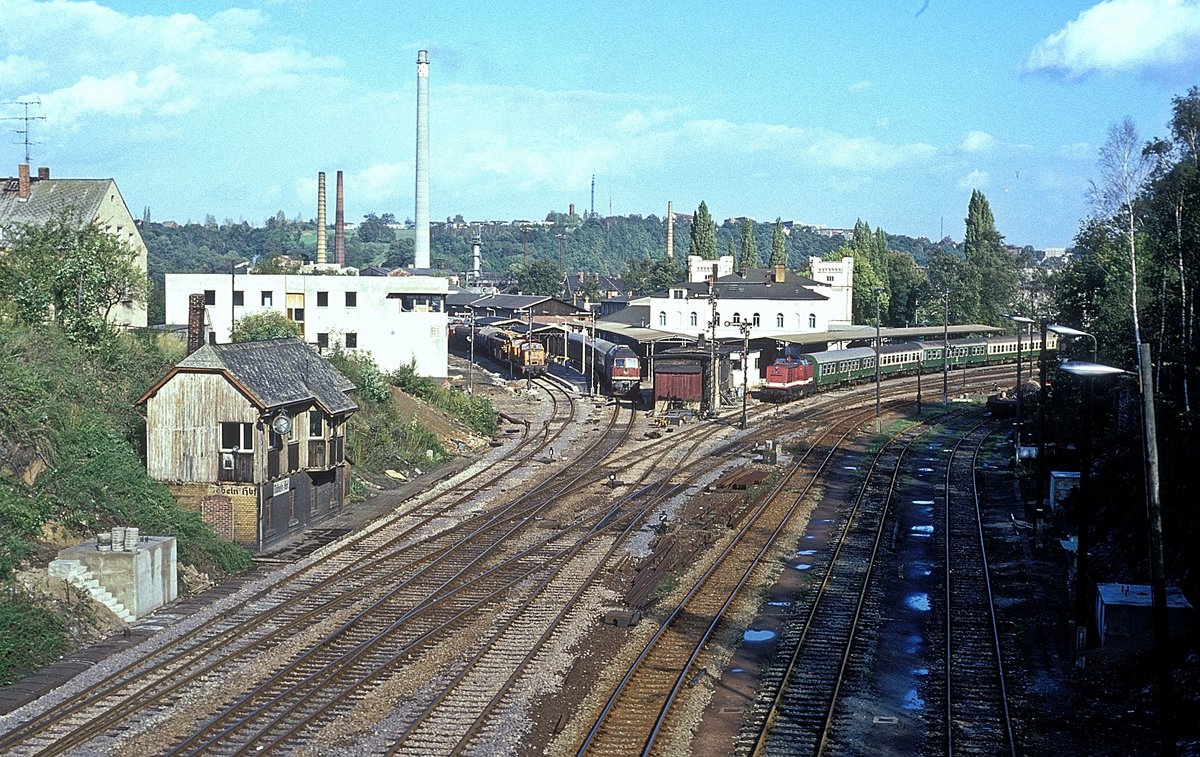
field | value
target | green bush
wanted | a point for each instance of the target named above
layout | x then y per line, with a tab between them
477	412
30	636
73	409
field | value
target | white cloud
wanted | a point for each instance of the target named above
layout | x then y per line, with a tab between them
1123	35
978	141
975	180
87	58
860	86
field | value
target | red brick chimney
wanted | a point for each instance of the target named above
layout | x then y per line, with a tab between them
43	173
22	182
339	226
195	332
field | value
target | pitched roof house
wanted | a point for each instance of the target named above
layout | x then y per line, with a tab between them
252	435
28	199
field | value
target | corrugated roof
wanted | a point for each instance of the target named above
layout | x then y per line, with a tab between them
276	372
49	198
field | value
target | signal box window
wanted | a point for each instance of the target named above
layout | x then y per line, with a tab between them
239	436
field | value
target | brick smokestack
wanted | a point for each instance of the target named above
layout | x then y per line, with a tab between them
22	182
339	226
195	327
322	251
421	242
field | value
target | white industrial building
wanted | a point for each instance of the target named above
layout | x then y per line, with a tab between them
397	319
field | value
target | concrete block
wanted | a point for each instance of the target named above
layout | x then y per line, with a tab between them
141	580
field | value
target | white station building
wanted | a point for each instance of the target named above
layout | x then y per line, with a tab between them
774	301
397	319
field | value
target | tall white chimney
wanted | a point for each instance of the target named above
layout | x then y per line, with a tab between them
476	269
422	193
670	233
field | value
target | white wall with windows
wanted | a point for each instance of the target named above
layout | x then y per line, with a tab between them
397	319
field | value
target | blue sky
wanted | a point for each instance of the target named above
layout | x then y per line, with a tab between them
818	112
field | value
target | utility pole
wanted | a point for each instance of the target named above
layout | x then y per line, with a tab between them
878	291
946	347
714	394
744	327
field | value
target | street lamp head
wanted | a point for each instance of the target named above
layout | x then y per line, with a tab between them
242	264
1016	318
1065	330
1089	369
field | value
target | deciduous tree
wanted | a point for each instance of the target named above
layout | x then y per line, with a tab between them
75	275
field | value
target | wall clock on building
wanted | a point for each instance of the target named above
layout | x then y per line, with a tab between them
282	424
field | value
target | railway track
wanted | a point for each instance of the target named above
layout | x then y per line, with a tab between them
977	719
507	577
257	627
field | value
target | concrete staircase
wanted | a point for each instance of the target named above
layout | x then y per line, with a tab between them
76	574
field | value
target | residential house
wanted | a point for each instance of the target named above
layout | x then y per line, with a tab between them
38	199
252	435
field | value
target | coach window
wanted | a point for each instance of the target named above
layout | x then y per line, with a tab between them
662	318
779	321
812	320
692	320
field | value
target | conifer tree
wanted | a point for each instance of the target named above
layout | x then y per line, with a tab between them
778	245
992	268
750	257
703	240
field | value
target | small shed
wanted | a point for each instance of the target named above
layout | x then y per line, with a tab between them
678	383
1124	613
1062	483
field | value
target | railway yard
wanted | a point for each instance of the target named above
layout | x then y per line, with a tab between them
600	583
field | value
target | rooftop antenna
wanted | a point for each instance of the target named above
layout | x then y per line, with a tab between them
26	118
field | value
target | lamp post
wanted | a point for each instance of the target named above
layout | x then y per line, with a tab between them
1021	321
471	364
713	322
232	270
744	327
592	321
946	347
878	291
1088	370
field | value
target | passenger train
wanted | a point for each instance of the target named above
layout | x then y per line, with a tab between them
615	365
796	375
